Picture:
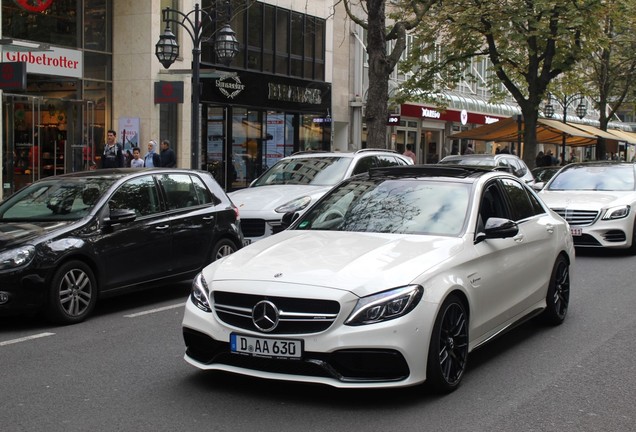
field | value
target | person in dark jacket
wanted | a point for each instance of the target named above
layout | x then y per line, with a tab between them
168	158
113	156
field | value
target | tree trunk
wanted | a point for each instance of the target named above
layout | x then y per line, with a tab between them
377	96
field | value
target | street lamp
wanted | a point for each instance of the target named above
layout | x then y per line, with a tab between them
565	101
226	48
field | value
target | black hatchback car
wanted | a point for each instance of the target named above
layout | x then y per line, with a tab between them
68	240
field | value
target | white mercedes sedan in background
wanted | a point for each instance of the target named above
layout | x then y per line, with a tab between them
390	280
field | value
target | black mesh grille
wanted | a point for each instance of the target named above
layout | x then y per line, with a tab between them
253	227
297	316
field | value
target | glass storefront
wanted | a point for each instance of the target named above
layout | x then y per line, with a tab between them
55	125
257	139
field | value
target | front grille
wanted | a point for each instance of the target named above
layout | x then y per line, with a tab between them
297	315
349	365
577	217
253	227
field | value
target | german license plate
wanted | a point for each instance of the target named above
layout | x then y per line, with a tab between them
265	347
576	231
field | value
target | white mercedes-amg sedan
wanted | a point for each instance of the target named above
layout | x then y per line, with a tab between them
391	279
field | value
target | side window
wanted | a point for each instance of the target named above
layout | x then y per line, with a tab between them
364	164
180	191
138	194
203	194
491	205
519	198
387	161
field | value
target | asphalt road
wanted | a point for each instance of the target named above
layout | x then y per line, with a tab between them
123	370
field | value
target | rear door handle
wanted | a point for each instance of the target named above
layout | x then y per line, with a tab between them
162	227
209	217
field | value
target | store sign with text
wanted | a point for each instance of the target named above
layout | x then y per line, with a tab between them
463	117
56	61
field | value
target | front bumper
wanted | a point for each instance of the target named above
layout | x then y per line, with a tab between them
616	234
21	291
387	354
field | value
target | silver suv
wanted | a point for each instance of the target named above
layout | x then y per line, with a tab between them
503	161
299	180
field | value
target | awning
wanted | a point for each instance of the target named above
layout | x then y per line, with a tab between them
628	137
548	132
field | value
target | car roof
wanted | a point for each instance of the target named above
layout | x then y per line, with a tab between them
456	172
118	172
318	153
480	156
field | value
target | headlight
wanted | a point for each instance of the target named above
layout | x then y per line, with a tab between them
616	212
200	293
15	258
294	206
385	306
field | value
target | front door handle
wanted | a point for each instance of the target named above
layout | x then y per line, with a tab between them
162	227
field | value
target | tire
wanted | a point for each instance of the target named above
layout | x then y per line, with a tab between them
72	294
448	349
223	248
558	296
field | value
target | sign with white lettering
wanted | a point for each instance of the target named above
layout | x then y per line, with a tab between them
57	61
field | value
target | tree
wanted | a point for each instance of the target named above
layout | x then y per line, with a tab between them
529	43
611	68
371	15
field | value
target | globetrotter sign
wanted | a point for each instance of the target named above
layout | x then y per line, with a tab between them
56	61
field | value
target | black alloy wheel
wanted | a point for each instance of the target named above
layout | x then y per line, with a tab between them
448	350
73	293
558	296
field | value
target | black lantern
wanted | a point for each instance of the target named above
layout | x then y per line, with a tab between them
167	49
581	110
226	45
548	110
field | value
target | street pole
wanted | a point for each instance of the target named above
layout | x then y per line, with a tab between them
195	156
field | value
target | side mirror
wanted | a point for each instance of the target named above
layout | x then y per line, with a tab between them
120	216
289	218
497	228
538	185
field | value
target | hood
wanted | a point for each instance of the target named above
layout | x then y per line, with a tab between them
586	200
14	234
361	263
268	198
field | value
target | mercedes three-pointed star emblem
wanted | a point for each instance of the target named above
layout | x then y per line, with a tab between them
265	316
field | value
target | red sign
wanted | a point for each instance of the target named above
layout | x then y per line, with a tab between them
34	5
13	76
169	92
429	113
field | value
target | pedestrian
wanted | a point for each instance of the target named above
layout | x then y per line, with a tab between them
540	160
409	152
168	158
113	156
152	159
469	149
136	161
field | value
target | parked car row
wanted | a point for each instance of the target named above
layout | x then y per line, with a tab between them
381	273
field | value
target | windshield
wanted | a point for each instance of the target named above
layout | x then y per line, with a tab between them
400	206
594	178
317	171
54	200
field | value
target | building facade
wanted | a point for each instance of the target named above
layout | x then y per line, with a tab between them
91	67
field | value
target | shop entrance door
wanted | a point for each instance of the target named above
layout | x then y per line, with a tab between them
44	137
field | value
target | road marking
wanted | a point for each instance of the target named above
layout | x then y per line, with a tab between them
27	338
161	309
